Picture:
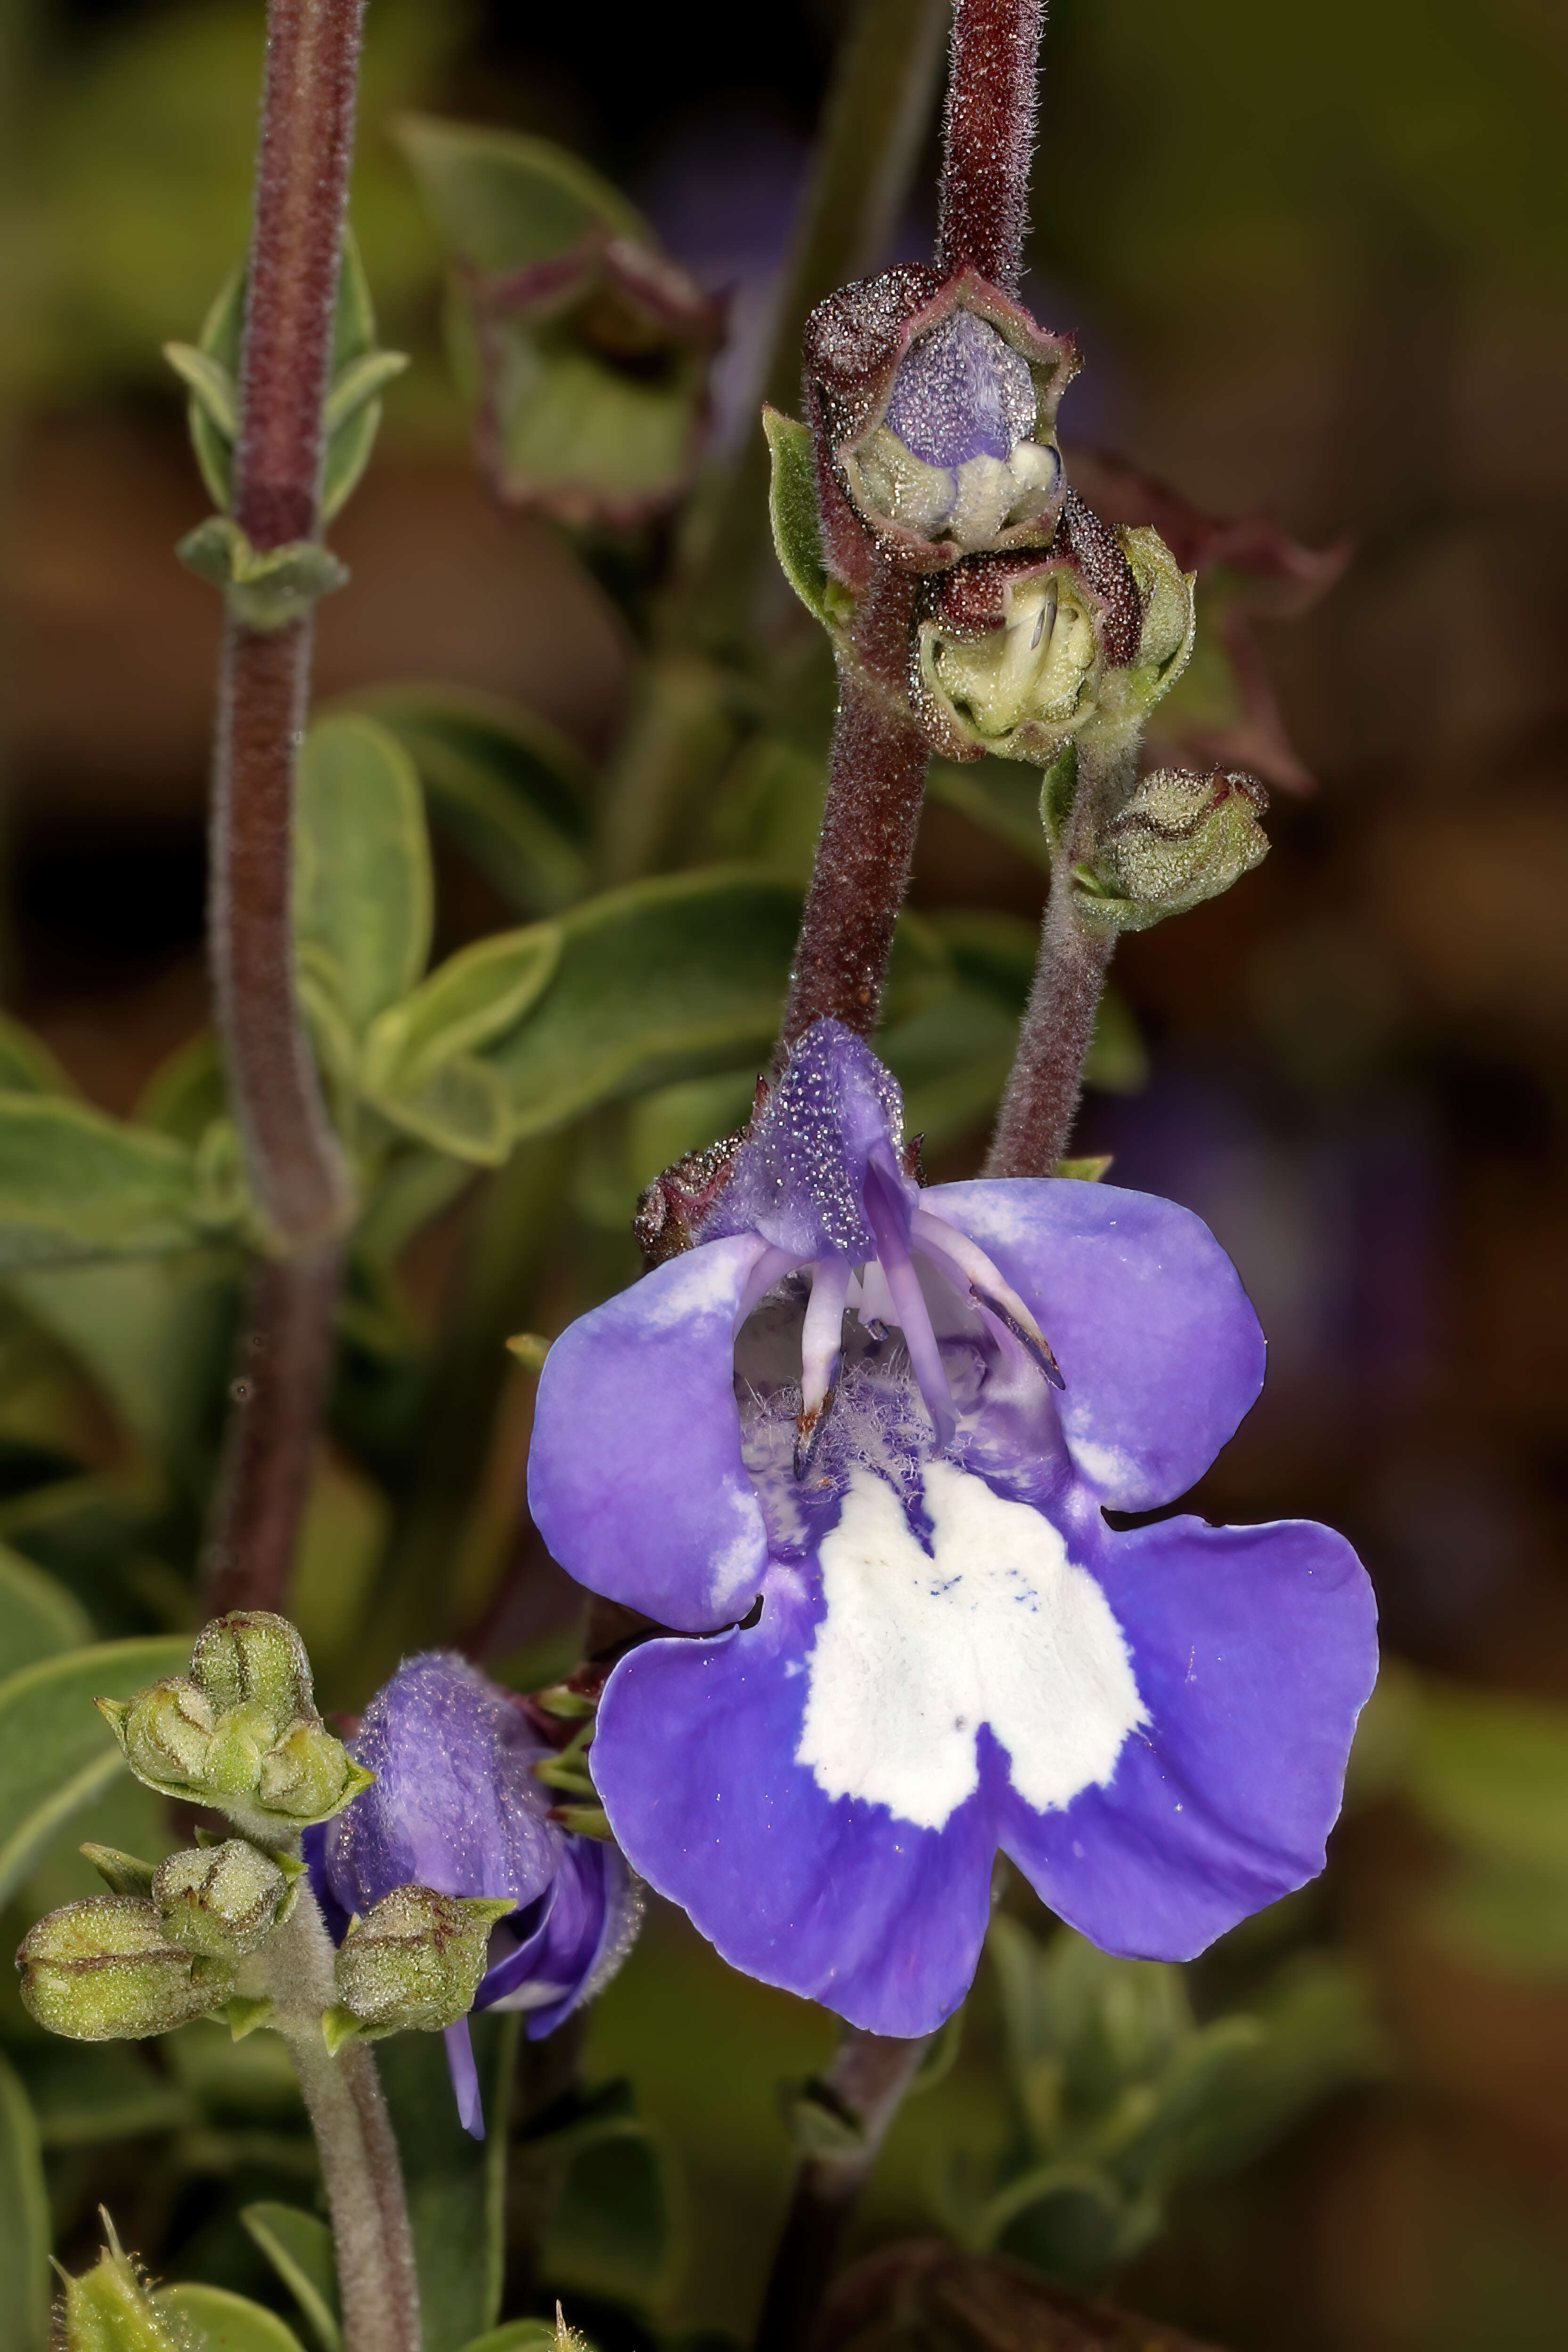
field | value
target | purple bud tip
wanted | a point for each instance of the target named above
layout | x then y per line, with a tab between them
961	392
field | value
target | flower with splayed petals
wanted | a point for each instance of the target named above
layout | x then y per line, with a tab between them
857	1446
455	1806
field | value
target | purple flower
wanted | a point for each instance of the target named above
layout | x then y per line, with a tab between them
455	1806
832	1431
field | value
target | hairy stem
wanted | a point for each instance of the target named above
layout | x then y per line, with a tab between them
868	2078
1035	1125
875	788
377	2282
296	1172
989	137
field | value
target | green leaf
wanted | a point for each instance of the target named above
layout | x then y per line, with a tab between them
56	1751
663	980
26	1064
185	1093
299	2248
209	372
24	2225
797	528
456	2185
501	199
502	783
463	1108
38	1617
464	1004
224	2322
75	1184
1071	2219
528	2336
362	882
265	587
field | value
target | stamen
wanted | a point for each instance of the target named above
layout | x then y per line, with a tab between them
914	1316
770	1268
822	1335
967	1268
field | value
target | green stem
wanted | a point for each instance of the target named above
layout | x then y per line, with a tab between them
378	2286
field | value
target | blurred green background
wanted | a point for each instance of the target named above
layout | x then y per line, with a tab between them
1317	259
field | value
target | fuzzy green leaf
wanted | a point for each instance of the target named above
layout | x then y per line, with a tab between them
75	1184
363	884
466	1004
23	2223
226	2322
299	2248
500	200
463	1109
660	981
39	1618
55	1753
797	529
502	783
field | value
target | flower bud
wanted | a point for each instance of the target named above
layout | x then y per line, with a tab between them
222	1900
935	400
241	1731
109	2310
254	1658
103	1970
1181	838
1021	653
413	1964
956	455
165	1732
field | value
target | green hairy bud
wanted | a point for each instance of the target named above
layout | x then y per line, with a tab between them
413	1964
241	1731
1181	838
110	2309
103	1970
222	1901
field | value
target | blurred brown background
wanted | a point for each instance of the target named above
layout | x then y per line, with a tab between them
1317	261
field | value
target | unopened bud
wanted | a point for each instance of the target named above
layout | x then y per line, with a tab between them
222	1900
241	1731
254	1658
166	1733
309	1775
110	2309
103	1970
413	1964
1180	839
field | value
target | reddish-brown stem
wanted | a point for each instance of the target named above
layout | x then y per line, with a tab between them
1034	1126
989	137
294	1169
867	2081
874	785
282	1366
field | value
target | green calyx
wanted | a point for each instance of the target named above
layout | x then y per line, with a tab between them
104	1970
241	1732
1179	839
223	1901
108	2308
265	588
1038	678
413	1964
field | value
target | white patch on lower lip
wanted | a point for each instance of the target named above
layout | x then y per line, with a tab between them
995	1625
